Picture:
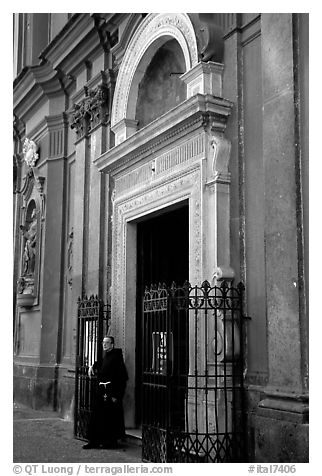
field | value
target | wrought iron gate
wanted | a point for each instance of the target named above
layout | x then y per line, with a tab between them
193	374
92	325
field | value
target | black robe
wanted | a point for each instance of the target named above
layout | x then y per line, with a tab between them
107	420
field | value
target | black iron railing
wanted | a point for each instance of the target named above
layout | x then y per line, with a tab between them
92	325
193	374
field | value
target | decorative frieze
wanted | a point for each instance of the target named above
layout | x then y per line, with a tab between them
179	155
200	111
190	149
124	210
91	111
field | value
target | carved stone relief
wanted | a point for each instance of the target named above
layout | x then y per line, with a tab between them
221	154
33	209
178	188
90	111
29	259
32	177
29	232
178	156
30	152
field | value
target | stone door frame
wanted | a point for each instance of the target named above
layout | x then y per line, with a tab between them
179	187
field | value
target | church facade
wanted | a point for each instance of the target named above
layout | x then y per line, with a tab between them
164	147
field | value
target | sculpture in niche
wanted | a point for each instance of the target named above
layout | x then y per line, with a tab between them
29	254
32	185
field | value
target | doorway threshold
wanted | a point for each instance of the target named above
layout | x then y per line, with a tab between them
134	435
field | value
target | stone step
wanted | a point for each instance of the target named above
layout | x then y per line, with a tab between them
134	436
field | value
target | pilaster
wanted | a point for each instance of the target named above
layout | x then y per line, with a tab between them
96	217
284	408
53	168
90	119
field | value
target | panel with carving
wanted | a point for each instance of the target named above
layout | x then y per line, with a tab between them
152	198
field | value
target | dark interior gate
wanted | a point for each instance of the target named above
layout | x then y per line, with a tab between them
92	325
192	376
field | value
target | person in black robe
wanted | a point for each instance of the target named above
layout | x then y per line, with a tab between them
106	425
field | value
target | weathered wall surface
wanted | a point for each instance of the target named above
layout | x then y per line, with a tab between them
265	77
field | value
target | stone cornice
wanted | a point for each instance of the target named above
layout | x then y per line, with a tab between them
61	34
207	111
38	82
69	41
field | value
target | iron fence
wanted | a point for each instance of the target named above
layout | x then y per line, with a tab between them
92	324
192	389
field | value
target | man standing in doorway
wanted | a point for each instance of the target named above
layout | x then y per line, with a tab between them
107	422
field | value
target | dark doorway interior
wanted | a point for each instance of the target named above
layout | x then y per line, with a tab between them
162	257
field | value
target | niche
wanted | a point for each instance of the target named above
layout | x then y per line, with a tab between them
161	88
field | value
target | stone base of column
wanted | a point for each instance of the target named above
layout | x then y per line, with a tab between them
66	393
34	385
44	388
282	431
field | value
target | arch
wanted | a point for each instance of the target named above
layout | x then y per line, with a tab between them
154	31
161	88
